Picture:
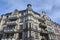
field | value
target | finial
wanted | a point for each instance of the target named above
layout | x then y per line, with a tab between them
29	5
44	12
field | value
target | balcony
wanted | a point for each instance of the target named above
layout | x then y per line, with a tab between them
39	29
8	39
50	30
13	16
43	25
43	31
11	23
19	39
9	30
41	19
33	29
4	25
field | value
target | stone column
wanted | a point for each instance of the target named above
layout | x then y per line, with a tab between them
49	36
22	35
39	36
16	36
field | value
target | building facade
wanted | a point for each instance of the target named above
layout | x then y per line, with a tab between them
57	30
26	25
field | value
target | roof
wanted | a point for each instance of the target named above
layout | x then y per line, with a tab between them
36	13
22	11
26	10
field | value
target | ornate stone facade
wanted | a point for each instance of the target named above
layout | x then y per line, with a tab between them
27	25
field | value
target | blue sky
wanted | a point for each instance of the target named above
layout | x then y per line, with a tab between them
52	7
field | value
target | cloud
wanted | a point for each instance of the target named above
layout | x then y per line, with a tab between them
55	14
52	7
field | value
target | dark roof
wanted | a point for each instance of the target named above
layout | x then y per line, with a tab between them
26	10
56	24
8	13
22	11
36	13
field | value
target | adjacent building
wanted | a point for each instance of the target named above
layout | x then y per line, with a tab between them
57	30
27	25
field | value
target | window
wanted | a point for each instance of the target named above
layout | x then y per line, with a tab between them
29	25
36	35
36	28
7	16
25	34
29	17
11	27
48	23
30	34
12	19
11	35
21	19
7	35
21	26
20	35
22	14
42	39
25	19
3	28
26	26
29	12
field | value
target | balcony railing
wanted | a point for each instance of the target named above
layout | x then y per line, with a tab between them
41	18
43	31
33	29
42	25
9	30
4	25
50	31
11	23
39	29
8	39
13	16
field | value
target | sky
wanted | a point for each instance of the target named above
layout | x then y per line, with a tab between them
52	7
